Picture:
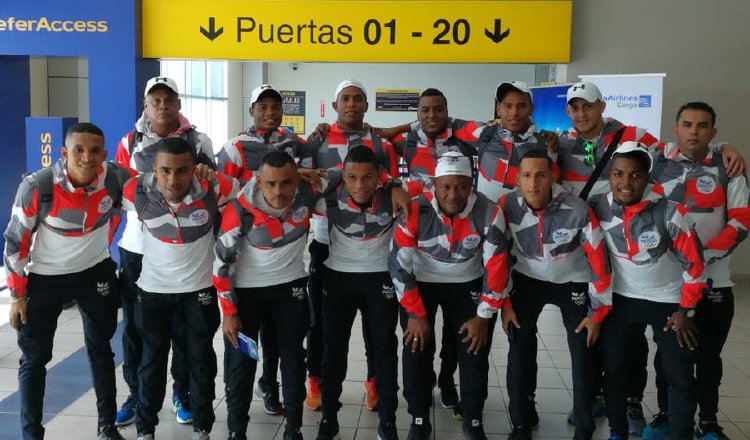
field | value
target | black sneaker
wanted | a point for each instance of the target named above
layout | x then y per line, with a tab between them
421	429
108	432
710	431
636	421
520	433
387	431
448	397
270	395
473	430
328	429
293	434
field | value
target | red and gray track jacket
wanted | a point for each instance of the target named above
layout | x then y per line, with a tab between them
57	229
179	239
717	203
258	249
561	243
432	247
571	154
240	157
136	151
654	250
331	151
499	153
421	152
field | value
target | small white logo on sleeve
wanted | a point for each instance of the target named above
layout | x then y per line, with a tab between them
198	217
649	240
105	205
562	236
300	214
476	297
705	184
384	218
471	241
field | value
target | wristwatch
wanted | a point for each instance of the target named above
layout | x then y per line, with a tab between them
688	312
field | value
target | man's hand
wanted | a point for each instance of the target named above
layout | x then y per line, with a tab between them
231	326
416	333
476	333
320	132
508	317
310	176
733	161
204	172
17	311
400	199
387	133
592	330
684	328
551	139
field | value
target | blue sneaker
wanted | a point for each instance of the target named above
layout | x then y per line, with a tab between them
658	429
616	437
126	414
182	414
710	431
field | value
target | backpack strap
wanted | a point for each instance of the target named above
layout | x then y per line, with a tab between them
45	179
613	144
488	134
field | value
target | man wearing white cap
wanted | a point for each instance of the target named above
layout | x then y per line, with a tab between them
452	253
584	146
583	158
658	276
240	158
350	104
161	119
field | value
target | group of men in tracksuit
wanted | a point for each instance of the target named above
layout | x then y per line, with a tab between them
615	228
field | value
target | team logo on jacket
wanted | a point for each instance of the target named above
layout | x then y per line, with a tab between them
204	298
471	241
705	185
649	240
298	293
384	218
562	236
578	298
198	217
388	291
102	288
475	296
105	205
300	214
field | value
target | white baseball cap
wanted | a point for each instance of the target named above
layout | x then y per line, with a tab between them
507	86
453	163
630	147
584	90
349	83
160	81
262	90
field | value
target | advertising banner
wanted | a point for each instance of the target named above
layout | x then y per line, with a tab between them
633	99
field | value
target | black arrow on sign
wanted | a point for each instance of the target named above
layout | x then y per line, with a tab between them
212	32
497	36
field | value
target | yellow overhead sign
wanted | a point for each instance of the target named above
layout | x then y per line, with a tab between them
359	31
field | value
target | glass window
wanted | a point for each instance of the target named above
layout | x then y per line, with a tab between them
202	86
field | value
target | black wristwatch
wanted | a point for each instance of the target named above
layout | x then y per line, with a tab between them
688	312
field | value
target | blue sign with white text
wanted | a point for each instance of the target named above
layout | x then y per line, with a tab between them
549	108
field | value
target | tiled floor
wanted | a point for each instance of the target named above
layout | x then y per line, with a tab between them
553	398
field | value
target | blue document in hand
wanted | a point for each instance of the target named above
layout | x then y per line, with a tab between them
248	346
